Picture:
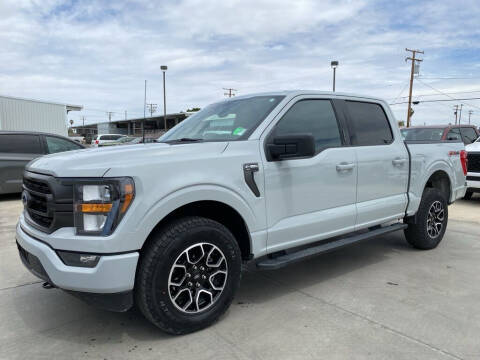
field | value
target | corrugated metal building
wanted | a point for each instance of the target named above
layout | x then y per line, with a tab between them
34	115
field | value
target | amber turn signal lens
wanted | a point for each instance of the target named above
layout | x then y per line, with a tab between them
128	197
95	208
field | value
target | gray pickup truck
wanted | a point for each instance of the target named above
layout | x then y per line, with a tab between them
270	179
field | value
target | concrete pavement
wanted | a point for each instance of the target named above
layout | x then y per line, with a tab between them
376	300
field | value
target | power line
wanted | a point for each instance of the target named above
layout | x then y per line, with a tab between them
437	100
451	97
450	93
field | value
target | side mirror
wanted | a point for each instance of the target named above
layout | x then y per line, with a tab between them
291	146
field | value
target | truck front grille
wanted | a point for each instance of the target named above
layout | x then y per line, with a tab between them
48	202
35	198
473	162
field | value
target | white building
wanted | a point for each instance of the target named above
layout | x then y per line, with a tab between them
34	115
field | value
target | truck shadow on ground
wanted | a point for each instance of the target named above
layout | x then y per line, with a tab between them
57	316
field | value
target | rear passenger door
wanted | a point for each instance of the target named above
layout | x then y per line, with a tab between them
308	199
16	150
382	160
55	144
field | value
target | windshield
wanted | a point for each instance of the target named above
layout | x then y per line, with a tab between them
423	134
224	121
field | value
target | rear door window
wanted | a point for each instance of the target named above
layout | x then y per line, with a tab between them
454	134
20	143
370	125
469	135
55	144
111	137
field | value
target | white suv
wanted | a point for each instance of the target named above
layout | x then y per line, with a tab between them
100	140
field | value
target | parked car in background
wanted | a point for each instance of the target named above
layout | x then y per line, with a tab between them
121	141
17	148
467	133
78	139
473	174
128	140
103	139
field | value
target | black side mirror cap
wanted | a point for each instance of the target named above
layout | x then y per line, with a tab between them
290	147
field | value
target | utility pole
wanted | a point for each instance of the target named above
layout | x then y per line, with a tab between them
470	112
151	108
455	111
413	59
109	113
83	121
334	65
125	114
460	116
230	92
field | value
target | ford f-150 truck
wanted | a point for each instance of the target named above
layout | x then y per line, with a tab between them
268	179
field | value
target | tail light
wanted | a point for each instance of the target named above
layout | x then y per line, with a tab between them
464	161
96	142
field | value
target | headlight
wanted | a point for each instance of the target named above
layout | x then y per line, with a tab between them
99	205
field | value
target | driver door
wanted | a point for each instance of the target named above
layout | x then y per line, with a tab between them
308	199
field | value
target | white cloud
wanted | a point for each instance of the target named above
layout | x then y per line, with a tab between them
98	53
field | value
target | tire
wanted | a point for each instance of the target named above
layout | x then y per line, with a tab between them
190	256
433	208
468	195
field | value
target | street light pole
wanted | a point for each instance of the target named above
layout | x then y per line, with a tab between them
164	69
334	65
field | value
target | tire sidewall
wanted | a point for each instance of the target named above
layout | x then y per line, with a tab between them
162	305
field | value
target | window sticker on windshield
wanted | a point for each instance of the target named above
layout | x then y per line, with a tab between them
238	131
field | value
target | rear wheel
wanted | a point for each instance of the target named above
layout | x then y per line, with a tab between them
431	221
468	195
188	275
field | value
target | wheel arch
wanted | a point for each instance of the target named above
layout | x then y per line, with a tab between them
220	205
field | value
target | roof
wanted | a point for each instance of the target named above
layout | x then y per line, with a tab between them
293	93
70	107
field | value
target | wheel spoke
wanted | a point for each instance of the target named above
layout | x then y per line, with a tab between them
219	272
197	298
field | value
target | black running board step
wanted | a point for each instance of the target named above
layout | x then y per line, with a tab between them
284	260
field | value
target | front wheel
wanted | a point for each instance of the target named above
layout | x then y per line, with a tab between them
431	221
188	275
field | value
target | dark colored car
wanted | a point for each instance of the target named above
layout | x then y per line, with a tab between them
467	133
17	148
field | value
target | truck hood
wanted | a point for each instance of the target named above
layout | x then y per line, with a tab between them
473	147
96	162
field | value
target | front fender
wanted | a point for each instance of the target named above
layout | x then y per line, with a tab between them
206	192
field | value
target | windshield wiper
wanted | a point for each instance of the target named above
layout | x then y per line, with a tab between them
184	139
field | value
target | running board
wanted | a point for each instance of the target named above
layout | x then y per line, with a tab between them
287	259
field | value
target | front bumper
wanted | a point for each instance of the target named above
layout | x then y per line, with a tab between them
113	273
473	182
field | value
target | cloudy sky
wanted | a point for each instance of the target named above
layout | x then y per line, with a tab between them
98	53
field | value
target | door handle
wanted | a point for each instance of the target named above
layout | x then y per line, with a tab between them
398	162
345	166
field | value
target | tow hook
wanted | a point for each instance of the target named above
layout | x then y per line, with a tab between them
47	285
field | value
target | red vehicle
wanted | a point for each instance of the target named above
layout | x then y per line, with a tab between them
467	133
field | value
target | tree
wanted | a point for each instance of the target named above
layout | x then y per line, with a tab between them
194	109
